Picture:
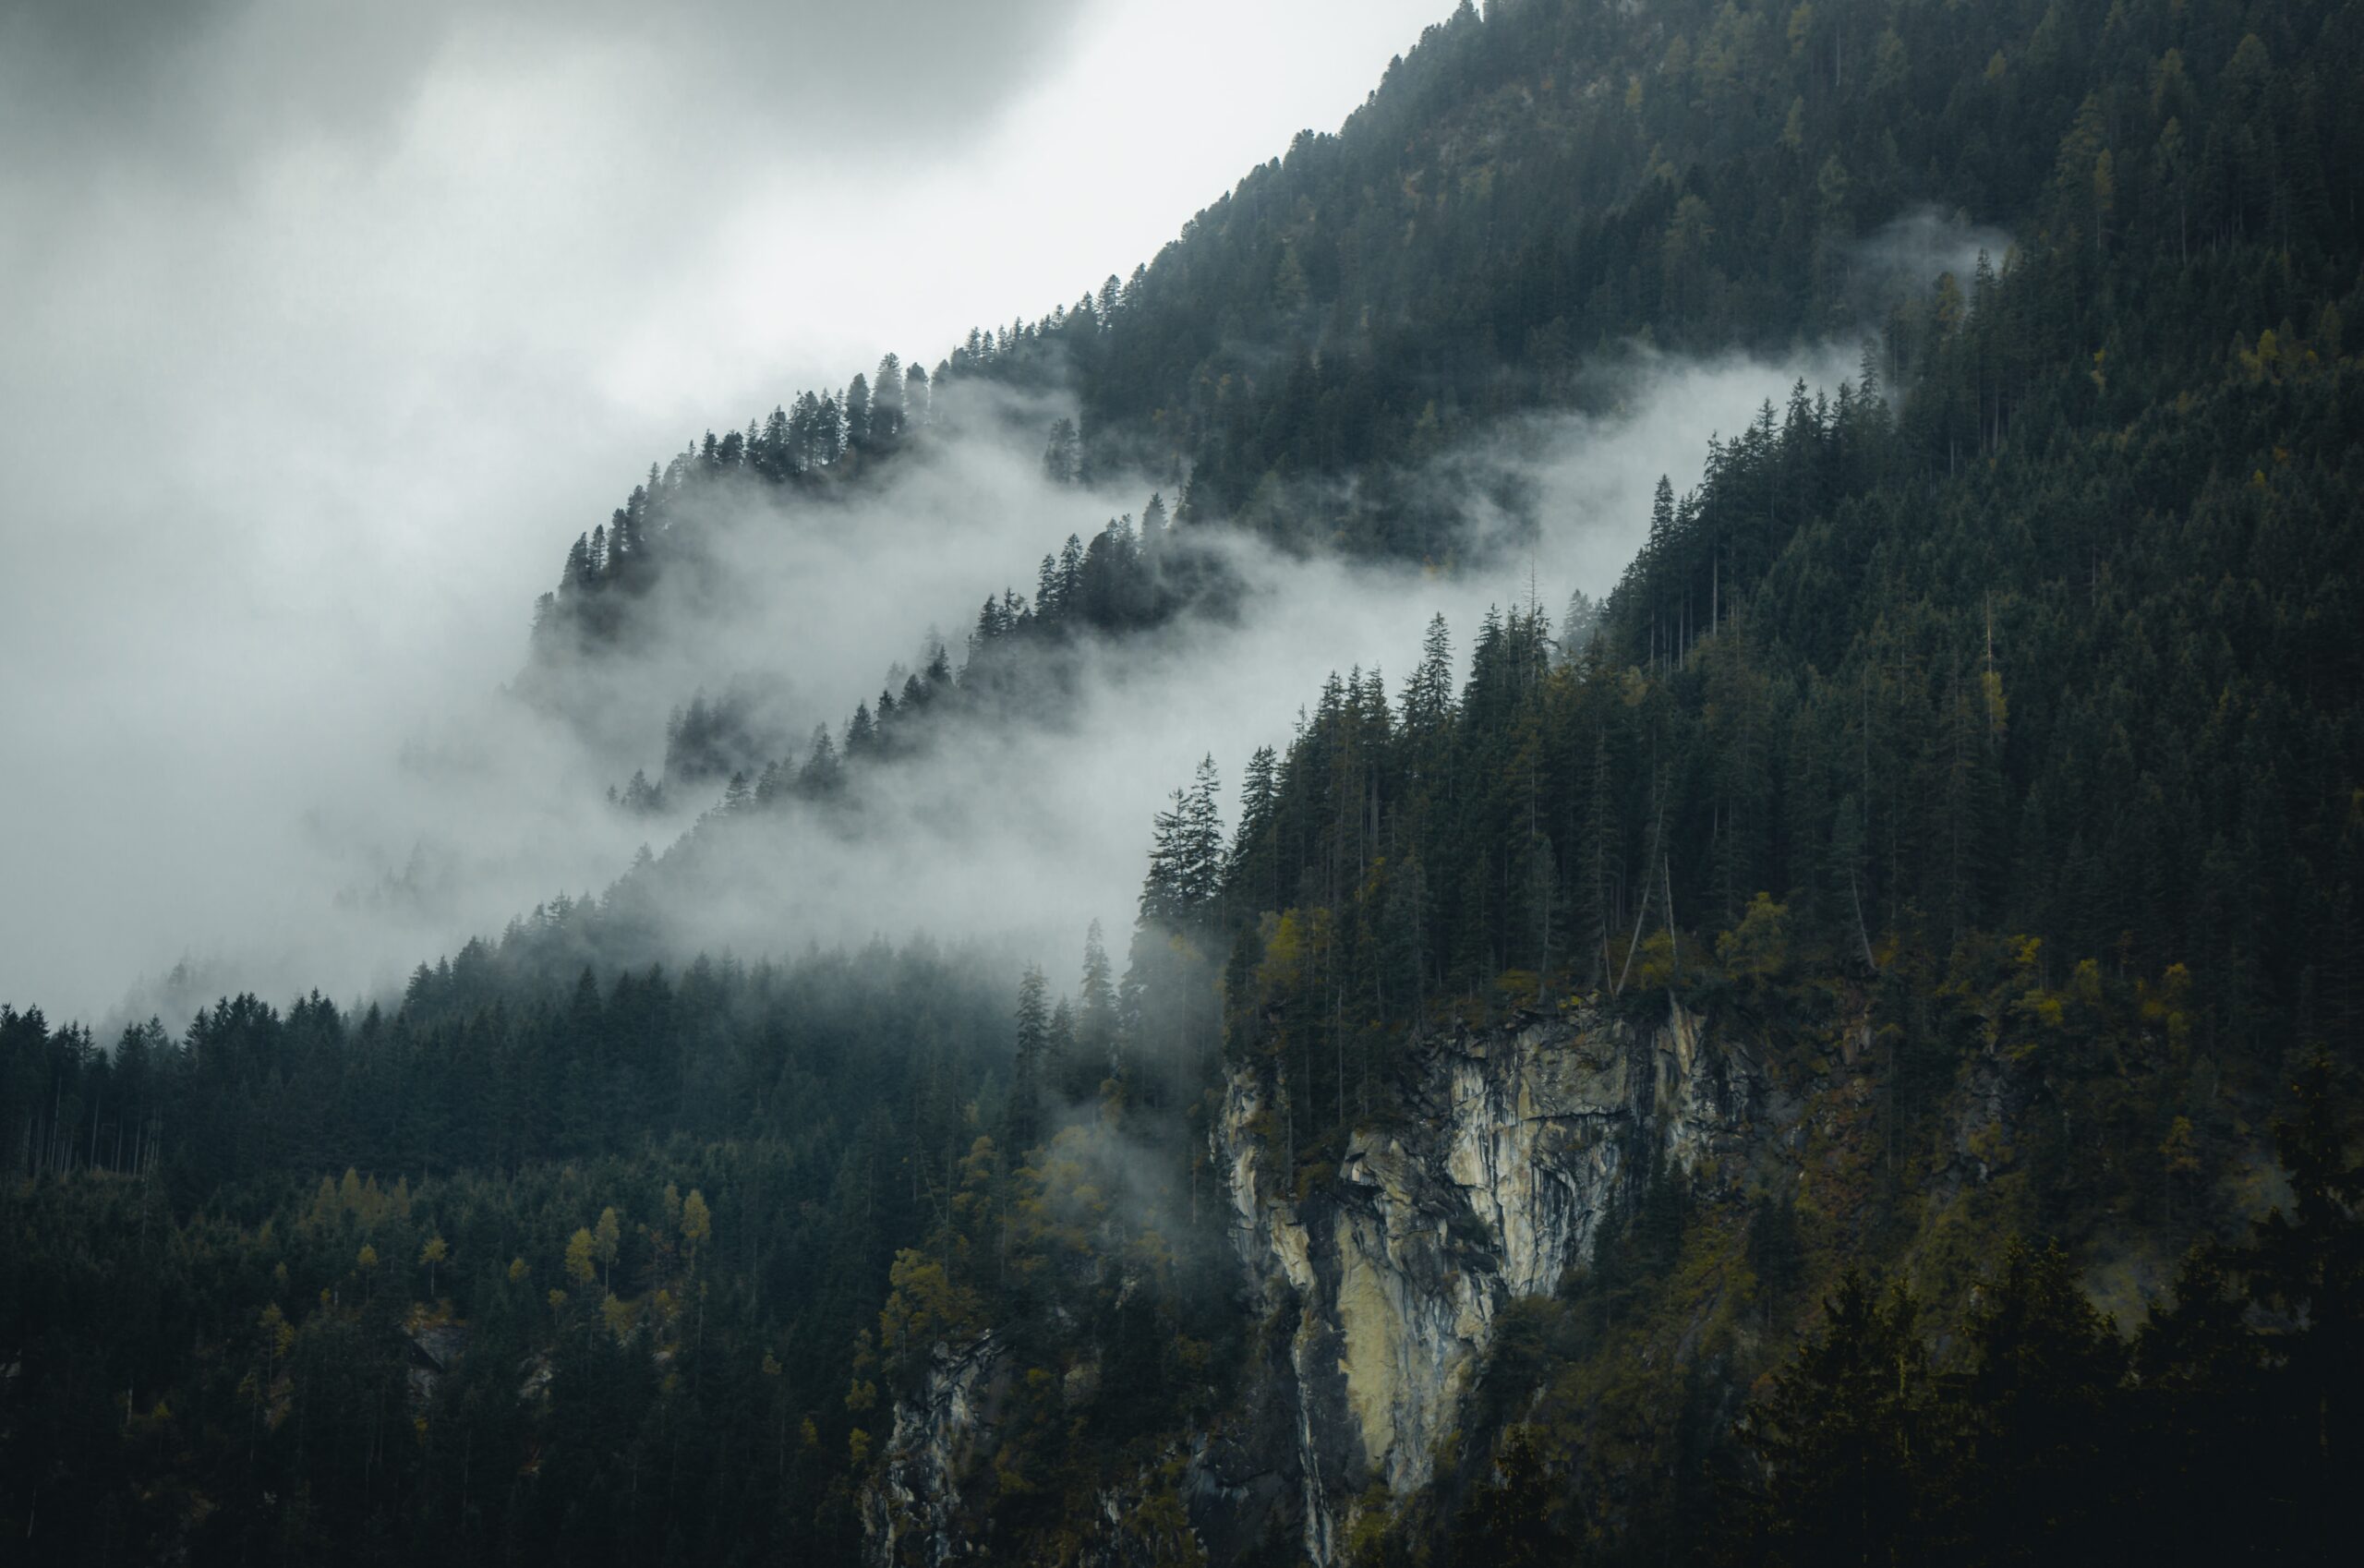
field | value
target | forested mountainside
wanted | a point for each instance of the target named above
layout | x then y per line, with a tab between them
1688	172
1528	199
1849	1055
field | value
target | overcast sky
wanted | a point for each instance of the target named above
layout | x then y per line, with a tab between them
326	327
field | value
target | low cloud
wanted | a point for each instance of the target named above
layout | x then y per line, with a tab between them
326	337
1904	257
340	851
199	87
329	326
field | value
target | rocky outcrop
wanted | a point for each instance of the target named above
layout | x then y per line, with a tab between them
432	1347
923	1505
1386	1280
911	1507
1380	1285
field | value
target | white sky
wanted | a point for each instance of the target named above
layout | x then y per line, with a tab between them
323	328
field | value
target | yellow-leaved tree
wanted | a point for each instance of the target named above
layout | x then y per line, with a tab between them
923	1305
582	1264
607	1236
1758	947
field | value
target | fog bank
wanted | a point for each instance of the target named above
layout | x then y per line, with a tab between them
397	819
329	325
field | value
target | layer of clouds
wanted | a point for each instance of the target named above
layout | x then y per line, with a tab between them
325	341
1028	834
1908	254
198	86
351	860
329	326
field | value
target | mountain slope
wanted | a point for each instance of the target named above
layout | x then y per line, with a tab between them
1529	195
1939	866
1526	192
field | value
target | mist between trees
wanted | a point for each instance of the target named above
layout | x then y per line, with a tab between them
1021	822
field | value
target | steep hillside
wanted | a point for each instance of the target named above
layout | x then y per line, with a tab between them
1530	196
1977	748
1526	192
1845	1052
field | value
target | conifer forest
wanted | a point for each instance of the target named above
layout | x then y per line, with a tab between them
1838	1039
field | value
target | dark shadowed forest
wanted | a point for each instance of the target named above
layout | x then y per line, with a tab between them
1973	755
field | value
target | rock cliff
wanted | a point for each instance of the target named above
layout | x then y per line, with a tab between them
910	1510
1517	1145
1380	1285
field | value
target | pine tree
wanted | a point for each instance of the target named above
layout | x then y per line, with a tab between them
1199	849
917	407
1075	1072
1251	881
1032	1062
2041	1453
857	412
1851	1439
1427	695
1165	901
886	393
820	773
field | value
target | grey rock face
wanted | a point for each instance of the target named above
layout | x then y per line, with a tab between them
1523	1143
1382	1285
910	1510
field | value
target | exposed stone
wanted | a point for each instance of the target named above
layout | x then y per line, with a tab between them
431	1350
1380	1286
1523	1143
911	1509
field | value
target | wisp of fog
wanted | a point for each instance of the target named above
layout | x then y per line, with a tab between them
366	842
328	325
327	348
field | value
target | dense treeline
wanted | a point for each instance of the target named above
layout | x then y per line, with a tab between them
217	1344
2054	636
1696	173
1979	738
824	441
1962	808
624	1265
2098	693
1127	579
509	1053
1984	729
2031	1428
1020	667
1689	175
1701	174
2225	1426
